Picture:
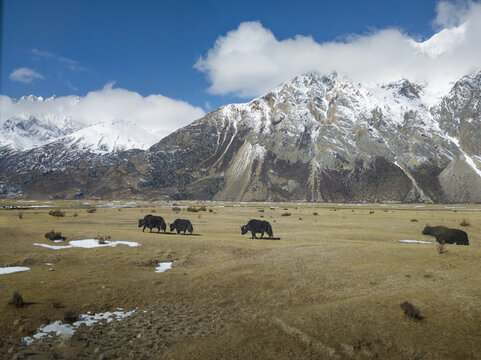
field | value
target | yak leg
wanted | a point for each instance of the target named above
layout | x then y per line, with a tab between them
262	234
144	228
253	235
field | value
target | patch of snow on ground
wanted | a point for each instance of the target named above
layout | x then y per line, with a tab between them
417	241
12	269
163	266
60	328
88	244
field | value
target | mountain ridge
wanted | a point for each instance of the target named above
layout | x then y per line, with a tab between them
315	138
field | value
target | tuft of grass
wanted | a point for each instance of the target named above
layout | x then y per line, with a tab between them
371	212
52	235
192	209
56	213
260	210
411	311
211	210
441	248
414	220
176	209
465	222
75	215
17	300
315	213
286	214
91	211
20	215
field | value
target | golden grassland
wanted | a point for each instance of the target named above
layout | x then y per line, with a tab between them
330	288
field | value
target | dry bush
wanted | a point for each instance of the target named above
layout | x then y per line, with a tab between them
17	300
286	214
153	210
57	213
20	215
286	209
202	208
371	212
211	210
52	235
414	220
176	209
192	209
70	317
102	239
260	210
315	213
75	215
300	218
91	211
441	248
411	311
465	222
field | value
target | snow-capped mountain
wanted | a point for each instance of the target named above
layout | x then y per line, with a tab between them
316	138
30	130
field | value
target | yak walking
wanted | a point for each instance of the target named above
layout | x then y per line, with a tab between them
151	221
257	226
182	225
446	235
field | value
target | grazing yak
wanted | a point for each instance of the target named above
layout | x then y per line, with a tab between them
181	225
446	235
151	221
257	226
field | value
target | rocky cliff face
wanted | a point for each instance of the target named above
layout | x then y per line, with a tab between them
316	138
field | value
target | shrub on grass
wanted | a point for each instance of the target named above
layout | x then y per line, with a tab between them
465	222
192	209
70	317
176	209
414	220
17	300
56	213
91	211
102	239
411	311
52	235
20	215
371	212
286	214
75	215
260	210
211	210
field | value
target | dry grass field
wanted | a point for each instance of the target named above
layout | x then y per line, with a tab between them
331	288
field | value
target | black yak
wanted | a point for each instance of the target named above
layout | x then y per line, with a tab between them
446	235
151	221
181	225
257	226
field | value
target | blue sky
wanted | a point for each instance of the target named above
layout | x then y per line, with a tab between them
151	46
180	59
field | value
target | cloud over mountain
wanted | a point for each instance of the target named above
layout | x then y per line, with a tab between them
156	112
24	75
250	60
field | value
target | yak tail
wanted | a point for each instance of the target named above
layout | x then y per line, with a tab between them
269	230
190	228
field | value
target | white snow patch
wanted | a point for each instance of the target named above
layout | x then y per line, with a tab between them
468	158
416	241
88	244
163	266
12	269
59	328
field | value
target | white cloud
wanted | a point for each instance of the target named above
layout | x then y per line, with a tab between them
25	75
156	113
249	60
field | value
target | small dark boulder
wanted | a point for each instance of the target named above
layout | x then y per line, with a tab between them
446	235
